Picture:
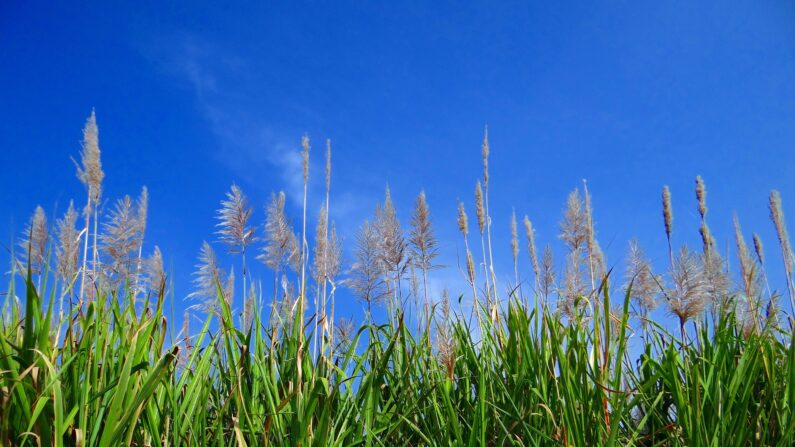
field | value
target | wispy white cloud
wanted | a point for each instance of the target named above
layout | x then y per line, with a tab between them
248	144
264	157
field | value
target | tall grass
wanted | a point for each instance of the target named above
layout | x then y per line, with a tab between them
548	365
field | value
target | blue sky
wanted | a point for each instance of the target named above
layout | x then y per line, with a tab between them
191	97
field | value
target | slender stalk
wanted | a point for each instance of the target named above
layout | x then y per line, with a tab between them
95	252
329	325
485	152
301	302
777	216
87	212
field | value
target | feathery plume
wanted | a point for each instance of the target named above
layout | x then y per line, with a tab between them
90	173
701	196
281	316
305	157
479	210
34	240
321	247
142	209
668	214
515	254
119	241
668	219
414	283
444	306
68	250
207	279
423	244
531	248
643	285
574	287
463	222
547	278
333	254
748	272
229	288
599	264
141	212
445	344
233	227
717	281
392	245
463	227
514	237
423	241
707	239
574	233
777	215
590	234
470	268
747	268
233	221
155	273
281	243
574	227
687	296
596	262
366	279
759	249
344	331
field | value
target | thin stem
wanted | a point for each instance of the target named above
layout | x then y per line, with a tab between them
85	250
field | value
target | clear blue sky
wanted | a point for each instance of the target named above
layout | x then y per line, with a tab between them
191	97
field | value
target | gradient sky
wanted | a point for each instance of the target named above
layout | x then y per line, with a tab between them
191	97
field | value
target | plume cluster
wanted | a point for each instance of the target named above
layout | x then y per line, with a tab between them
668	220
391	244
233	228
91	173
156	273
34	241
574	233
68	251
333	254
644	286
424	246
281	243
480	211
119	241
688	291
445	342
209	280
547	274
366	272
321	248
530	234
592	347
777	215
